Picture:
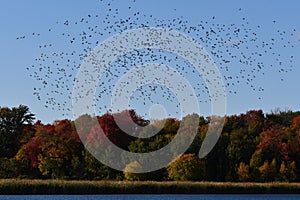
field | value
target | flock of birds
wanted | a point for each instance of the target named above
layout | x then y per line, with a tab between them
240	51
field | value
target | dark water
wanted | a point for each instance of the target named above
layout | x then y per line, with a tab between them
150	197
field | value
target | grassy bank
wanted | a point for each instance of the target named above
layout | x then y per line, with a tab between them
13	186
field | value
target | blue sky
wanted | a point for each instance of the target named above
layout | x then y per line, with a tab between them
20	18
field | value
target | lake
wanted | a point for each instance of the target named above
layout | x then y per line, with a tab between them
149	197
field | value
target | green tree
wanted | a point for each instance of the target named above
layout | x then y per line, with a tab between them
243	139
255	162
8	168
12	122
217	162
283	118
95	170
292	171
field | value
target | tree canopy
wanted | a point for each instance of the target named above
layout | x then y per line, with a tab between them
252	147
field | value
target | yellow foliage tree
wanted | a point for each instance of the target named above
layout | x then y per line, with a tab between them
243	172
187	167
134	166
268	171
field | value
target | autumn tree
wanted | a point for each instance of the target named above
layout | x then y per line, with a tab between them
288	171
243	172
268	171
134	166
187	167
128	120
54	150
293	134
273	143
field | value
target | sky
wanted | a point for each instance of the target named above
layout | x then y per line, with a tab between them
22	18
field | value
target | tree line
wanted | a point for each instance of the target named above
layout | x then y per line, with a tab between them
253	147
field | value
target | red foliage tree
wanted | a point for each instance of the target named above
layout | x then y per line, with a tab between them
274	143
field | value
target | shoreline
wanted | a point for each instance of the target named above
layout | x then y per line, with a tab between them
48	187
